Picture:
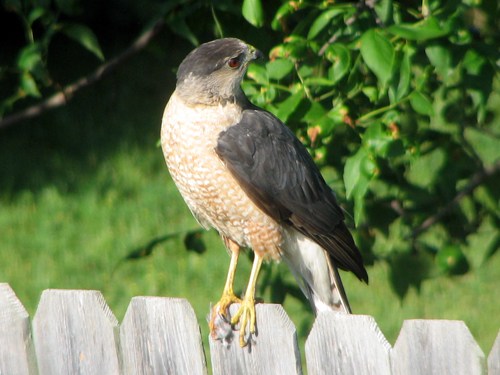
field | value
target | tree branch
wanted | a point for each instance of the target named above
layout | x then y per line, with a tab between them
476	180
62	97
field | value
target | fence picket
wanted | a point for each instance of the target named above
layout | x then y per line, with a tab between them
17	353
161	336
346	344
275	349
494	358
75	332
436	347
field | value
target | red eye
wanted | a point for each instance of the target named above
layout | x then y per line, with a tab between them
234	62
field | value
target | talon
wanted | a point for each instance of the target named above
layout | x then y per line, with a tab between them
245	315
220	308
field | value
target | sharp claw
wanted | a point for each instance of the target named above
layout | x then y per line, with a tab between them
252	320
219	315
245	315
243	343
236	318
246	312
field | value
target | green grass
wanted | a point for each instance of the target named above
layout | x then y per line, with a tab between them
52	239
83	186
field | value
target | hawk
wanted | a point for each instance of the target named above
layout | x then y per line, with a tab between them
243	172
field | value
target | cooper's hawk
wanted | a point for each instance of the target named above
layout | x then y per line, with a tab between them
242	171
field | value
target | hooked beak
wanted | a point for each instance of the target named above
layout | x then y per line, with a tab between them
255	54
258	55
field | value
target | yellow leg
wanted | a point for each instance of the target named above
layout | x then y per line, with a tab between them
246	312
228	296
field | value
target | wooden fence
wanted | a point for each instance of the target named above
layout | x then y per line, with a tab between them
75	332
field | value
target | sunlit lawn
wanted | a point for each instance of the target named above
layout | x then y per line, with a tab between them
79	239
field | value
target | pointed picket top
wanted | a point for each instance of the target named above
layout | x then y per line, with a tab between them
161	336
274	350
436	347
346	344
18	356
494	358
75	333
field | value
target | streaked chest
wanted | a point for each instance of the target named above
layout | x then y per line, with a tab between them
189	137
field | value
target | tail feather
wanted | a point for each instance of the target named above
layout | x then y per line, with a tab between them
316	274
337	286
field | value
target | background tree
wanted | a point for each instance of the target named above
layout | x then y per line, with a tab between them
394	96
398	101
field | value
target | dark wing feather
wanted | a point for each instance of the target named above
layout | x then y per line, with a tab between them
281	178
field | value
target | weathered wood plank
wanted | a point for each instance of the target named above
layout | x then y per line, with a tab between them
436	347
494	358
346	344
17	353
161	336
274	350
75	332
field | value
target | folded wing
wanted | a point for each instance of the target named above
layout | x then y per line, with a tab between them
278	174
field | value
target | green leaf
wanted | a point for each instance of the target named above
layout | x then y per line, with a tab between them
285	10
452	261
296	47
179	26
340	56
288	106
483	243
253	13
258	73
30	57
486	146
488	195
392	149
357	175
391	232
35	14
437	236
307	70
384	10
441	58
371	93
318	81
473	62
378	53
421	103
83	35
338	113
28	85
315	113
429	29
405	71
279	68
322	21
478	81
381	143
425	169
375	137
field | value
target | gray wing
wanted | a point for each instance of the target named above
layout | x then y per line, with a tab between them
281	178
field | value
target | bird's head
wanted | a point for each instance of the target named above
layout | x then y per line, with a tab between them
212	73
